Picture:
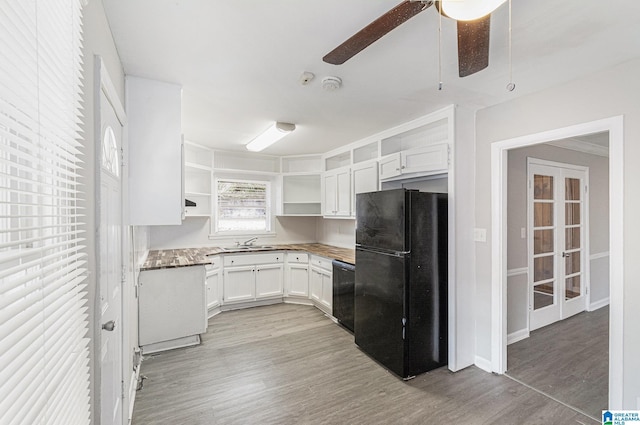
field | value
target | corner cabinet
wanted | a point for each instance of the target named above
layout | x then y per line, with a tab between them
321	283
297	275
156	174
336	186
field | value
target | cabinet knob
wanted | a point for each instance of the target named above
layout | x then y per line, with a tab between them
397	169
403	167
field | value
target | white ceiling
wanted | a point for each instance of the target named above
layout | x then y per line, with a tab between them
239	62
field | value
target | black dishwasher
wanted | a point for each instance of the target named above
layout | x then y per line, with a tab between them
344	278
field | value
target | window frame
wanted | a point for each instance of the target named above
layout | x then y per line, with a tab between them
269	203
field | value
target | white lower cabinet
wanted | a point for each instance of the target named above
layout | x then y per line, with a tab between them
297	275
252	277
171	308
321	283
214	287
239	284
268	280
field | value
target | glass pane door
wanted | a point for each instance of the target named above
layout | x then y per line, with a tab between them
544	230
556	249
572	250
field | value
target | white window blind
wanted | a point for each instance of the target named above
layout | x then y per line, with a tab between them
44	355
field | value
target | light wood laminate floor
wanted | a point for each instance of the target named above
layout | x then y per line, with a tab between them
568	360
289	364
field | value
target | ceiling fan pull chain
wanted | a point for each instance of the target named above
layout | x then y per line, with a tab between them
439	50
511	86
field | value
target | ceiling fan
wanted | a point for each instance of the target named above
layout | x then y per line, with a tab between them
473	35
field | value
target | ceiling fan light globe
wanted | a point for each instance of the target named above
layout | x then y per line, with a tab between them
469	10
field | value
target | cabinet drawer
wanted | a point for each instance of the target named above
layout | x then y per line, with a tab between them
248	259
321	262
297	257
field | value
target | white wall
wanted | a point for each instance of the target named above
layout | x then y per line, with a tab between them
338	232
194	233
605	94
97	41
517	247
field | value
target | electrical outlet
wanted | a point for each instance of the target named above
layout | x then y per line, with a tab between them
480	235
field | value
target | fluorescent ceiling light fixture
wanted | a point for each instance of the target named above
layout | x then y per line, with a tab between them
271	135
468	10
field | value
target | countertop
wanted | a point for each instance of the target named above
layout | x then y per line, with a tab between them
169	258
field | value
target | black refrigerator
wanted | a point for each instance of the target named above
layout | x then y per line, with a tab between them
401	279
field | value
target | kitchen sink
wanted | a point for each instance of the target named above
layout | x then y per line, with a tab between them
246	248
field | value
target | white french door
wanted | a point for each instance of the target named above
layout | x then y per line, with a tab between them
558	241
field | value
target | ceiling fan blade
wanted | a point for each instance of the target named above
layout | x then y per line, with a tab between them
473	45
374	31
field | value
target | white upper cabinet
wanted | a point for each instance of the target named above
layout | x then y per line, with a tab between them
337	193
419	151
425	160
156	179
364	178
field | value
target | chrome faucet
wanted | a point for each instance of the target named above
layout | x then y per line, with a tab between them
249	242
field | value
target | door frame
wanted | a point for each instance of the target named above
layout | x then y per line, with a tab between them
585	237
103	84
499	157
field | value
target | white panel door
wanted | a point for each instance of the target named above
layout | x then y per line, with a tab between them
110	266
557	246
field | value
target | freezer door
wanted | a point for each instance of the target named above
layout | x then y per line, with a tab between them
381	220
380	308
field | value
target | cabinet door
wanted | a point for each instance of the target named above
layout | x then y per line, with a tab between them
156	171
213	292
239	284
327	290
298	277
432	159
365	179
329	206
315	284
390	166
268	280
343	193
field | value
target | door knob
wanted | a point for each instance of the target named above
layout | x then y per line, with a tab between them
564	254
109	326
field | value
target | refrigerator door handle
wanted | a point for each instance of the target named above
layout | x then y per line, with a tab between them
388	253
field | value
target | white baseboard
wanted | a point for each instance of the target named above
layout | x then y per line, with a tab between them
517	336
598	304
156	347
483	363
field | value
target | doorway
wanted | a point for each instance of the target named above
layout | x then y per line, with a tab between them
499	152
109	134
557	196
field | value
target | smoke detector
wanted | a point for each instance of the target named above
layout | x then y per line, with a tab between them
331	83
